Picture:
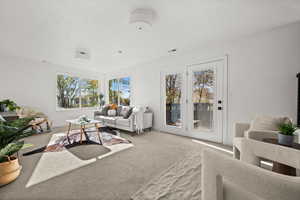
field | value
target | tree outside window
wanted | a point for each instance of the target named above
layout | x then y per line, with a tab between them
119	91
73	92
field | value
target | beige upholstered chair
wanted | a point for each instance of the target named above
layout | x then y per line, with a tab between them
241	130
225	178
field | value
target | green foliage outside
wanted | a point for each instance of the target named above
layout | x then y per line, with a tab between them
89	93
73	92
173	89
119	92
10	135
68	91
287	129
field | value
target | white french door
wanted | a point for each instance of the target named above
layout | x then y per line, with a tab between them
193	102
173	107
206	102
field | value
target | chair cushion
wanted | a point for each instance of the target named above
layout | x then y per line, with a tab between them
123	122
268	123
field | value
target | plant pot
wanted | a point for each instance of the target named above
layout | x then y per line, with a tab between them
9	171
286	140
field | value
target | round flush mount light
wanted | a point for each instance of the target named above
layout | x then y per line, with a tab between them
142	18
172	50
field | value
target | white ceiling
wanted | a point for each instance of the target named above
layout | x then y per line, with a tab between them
51	30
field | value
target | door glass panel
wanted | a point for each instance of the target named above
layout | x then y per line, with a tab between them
203	96
173	99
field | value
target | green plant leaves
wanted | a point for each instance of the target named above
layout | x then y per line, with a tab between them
287	128
10	149
10	134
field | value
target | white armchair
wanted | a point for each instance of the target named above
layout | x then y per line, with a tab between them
225	178
241	130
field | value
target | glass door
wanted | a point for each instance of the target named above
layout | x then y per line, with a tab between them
205	100
173	102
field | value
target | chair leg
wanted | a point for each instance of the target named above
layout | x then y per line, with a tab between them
236	153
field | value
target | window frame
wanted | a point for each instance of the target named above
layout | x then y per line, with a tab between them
118	78
80	78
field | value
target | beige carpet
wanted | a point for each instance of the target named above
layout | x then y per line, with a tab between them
181	181
115	177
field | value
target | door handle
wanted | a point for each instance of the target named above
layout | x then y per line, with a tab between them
220	108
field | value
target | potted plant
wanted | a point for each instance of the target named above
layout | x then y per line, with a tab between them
286	133
8	105
10	145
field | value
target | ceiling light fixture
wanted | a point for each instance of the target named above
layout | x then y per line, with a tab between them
172	50
142	18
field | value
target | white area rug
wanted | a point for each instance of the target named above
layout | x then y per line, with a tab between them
52	164
181	181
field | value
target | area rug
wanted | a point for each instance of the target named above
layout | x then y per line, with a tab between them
181	181
62	142
57	157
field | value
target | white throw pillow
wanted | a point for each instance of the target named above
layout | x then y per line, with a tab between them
125	110
270	123
112	113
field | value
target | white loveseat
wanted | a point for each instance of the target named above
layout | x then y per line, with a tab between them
128	124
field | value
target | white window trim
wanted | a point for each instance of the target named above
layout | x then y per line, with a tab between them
119	76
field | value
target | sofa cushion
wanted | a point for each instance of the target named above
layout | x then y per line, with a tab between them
108	120
122	122
111	112
268	123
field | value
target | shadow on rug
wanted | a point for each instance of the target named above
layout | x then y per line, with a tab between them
63	142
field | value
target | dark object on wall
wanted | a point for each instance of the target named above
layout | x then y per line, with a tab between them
298	113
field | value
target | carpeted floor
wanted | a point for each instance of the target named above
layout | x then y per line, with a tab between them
115	177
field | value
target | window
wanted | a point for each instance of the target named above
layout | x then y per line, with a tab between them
73	92
119	91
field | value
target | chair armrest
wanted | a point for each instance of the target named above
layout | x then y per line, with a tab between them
260	134
258	182
240	128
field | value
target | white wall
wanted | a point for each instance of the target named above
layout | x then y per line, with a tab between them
262	75
33	84
262	70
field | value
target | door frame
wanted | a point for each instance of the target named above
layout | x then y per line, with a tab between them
224	123
184	130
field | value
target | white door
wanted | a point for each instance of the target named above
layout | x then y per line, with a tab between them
173	106
206	104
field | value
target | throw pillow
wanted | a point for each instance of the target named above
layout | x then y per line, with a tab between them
268	123
104	110
113	107
119	109
112	112
128	113
124	111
